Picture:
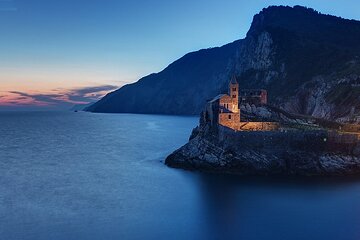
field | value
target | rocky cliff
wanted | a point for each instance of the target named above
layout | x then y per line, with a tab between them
309	63
311	151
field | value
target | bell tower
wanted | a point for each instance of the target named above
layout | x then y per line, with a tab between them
234	94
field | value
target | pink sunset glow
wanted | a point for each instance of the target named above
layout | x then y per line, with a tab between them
57	98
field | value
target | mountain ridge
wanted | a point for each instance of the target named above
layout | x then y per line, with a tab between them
298	54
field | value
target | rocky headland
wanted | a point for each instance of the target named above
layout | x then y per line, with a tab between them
302	146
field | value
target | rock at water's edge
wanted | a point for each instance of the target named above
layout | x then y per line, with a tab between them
294	152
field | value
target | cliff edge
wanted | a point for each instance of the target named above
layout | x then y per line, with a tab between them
290	150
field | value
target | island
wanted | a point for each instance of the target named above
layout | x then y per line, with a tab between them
240	133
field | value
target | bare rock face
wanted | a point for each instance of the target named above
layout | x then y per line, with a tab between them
329	97
257	52
286	152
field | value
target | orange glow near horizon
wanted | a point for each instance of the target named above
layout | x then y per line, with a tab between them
37	94
14	98
33	88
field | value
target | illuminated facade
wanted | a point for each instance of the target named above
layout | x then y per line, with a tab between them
224	109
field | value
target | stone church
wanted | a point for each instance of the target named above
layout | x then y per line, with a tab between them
224	109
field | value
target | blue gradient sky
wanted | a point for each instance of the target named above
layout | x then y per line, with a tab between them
59	48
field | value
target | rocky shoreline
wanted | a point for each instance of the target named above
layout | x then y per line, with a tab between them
299	152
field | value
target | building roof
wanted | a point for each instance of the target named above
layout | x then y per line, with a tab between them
233	80
225	110
217	97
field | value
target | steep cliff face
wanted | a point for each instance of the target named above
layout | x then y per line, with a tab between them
300	56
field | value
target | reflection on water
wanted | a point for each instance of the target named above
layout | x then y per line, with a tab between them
282	208
101	176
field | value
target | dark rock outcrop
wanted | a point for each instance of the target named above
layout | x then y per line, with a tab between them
309	63
290	151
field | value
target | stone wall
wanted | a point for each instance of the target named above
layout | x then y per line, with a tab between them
297	140
230	120
226	102
283	152
210	113
258	126
236	125
351	128
341	137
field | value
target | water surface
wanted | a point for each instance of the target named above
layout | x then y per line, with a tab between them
67	175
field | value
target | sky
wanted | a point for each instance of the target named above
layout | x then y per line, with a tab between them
55	54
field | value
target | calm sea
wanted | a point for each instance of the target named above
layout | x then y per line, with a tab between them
72	176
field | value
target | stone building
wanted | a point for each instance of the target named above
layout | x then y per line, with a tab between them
224	109
253	96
